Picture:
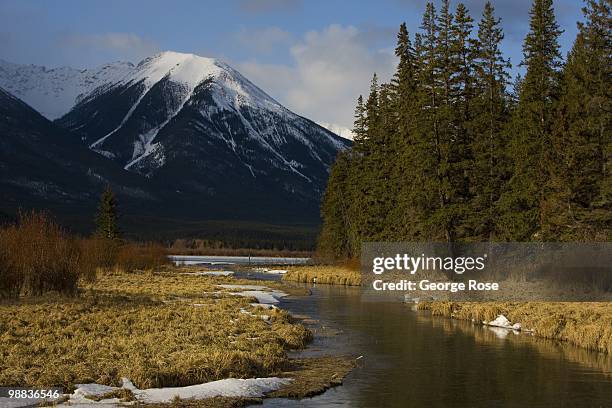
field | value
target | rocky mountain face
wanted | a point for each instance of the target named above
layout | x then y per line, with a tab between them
43	165
197	135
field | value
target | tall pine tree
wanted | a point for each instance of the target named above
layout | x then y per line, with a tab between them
531	126
107	216
489	114
578	201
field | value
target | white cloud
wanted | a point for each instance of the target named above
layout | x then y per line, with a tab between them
264	40
115	45
330	68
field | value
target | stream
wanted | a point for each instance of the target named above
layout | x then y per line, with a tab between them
412	359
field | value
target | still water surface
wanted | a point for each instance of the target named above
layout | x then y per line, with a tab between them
411	359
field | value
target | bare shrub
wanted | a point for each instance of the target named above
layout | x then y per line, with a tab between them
141	256
97	253
37	256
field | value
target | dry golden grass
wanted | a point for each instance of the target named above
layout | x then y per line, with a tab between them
143	326
326	274
312	376
587	325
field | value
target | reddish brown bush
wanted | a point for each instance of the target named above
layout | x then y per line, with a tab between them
37	256
142	256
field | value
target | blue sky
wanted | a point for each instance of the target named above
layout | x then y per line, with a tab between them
313	56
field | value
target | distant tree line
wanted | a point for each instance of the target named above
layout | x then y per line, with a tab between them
450	150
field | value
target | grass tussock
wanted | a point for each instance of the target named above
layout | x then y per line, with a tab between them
587	325
157	329
312	376
326	274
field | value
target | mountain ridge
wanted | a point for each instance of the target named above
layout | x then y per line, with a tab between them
205	141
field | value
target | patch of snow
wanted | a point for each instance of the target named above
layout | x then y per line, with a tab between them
93	390
261	293
230	387
503	322
277	271
209	273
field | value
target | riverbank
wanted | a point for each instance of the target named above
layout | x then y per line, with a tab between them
587	325
584	324
325	274
170	328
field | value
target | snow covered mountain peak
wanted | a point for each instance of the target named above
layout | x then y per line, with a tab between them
53	92
191	125
191	70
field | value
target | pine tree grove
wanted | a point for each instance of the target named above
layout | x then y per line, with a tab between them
446	151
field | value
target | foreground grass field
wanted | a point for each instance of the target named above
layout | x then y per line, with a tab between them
157	329
587	325
326	274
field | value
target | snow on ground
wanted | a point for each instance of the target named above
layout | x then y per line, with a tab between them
208	273
503	322
240	260
230	387
263	294
270	271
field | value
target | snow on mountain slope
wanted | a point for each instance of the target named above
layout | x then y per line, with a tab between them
206	138
186	96
337	129
53	92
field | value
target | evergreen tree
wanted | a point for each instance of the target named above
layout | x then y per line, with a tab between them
578	203
371	107
429	139
402	223
445	152
359	128
463	50
107	216
334	239
489	116
531	127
